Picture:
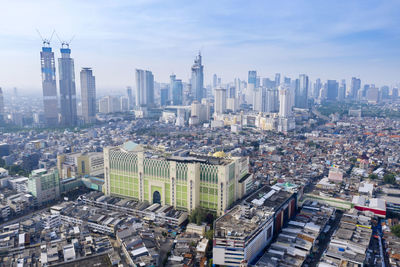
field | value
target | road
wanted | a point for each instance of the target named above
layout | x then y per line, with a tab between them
324	241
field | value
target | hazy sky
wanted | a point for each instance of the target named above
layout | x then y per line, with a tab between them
327	39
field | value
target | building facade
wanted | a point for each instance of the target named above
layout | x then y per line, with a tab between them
301	93
44	185
220	100
197	79
210	182
67	88
144	88
49	85
88	94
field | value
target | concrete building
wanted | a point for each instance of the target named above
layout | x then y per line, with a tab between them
144	88
220	100
67	88
88	94
186	182
286	120
243	233
49	85
197	79
301	92
80	164
129	93
44	185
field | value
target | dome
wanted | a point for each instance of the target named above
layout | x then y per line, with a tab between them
219	154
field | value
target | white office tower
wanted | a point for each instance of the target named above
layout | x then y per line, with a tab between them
220	100
257	99
232	104
180	117
124	101
249	94
207	106
198	113
103	105
286	119
144	88
110	104
271	101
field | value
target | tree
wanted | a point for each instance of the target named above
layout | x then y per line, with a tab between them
209	234
389	178
395	230
373	176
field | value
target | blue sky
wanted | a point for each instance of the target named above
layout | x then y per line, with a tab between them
324	39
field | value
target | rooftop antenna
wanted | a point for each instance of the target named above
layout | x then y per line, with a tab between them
44	40
65	44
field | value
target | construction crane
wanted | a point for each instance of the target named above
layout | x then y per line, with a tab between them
46	42
65	44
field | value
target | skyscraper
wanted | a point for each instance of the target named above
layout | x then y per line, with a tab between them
220	100
301	92
285	102
177	90
49	84
342	90
354	88
252	78
131	104
88	93
277	79
163	96
197	79
144	88
67	88
317	88
332	90
215	81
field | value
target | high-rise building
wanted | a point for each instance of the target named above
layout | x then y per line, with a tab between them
252	78
144	88
384	92
67	88
285	102
301	92
1	104
220	100
354	88
278	79
129	92
211	182
197	79
286	119
124	102
342	90
88	94
317	88
271	101
49	84
215	81
177	90
332	90
164	96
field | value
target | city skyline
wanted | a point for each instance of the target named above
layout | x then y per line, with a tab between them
298	37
